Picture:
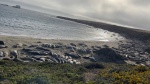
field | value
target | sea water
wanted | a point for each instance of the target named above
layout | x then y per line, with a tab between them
22	22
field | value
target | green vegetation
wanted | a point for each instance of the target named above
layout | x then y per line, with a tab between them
92	73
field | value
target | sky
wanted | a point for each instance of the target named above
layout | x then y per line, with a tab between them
133	13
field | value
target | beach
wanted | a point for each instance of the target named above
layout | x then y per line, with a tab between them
28	36
49	47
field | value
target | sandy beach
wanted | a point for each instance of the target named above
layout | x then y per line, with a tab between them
25	48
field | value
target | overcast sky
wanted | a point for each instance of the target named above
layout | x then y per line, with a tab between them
134	13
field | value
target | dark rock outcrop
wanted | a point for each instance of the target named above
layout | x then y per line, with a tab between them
148	50
108	55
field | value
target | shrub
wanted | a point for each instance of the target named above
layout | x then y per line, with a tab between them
141	68
94	66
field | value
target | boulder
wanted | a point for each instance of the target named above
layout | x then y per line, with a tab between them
148	50
108	55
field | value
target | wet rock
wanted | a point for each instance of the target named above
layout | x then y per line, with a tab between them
148	50
73	55
2	43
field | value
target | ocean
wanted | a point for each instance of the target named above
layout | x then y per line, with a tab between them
22	22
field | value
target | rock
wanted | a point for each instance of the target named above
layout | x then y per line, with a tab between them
73	55
2	43
17	6
147	50
108	55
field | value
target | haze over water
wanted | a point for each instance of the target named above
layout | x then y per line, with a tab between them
21	22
